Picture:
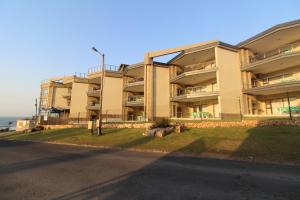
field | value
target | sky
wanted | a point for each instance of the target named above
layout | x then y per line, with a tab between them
42	39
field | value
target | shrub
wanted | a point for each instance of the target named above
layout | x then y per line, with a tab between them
37	128
161	123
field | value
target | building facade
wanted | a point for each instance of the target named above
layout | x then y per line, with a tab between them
259	77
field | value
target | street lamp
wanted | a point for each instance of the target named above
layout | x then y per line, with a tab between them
101	90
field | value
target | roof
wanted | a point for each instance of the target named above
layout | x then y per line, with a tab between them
202	47
268	31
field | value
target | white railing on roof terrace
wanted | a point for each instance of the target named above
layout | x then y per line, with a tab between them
80	75
99	69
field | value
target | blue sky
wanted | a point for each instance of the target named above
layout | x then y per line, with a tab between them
41	39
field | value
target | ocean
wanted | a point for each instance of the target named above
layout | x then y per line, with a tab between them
5	120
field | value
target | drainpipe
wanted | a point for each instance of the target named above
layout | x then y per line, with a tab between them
290	112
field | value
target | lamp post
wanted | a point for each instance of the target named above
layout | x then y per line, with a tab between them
101	90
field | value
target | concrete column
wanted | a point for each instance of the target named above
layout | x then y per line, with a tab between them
148	87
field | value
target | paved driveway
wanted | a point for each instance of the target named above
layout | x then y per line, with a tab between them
45	171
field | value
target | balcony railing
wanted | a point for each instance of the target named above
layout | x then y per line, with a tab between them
67	95
198	66
295	47
134	80
283	78
135	99
197	90
94	92
93	106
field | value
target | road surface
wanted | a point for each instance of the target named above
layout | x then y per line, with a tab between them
48	171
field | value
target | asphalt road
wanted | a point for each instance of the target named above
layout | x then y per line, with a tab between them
45	171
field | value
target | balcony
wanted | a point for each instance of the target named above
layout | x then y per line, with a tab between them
275	60
135	101
135	85
93	106
193	74
67	95
93	92
194	94
274	85
67	107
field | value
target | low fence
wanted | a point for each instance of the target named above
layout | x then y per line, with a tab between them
62	121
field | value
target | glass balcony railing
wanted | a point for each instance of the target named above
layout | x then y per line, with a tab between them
94	91
198	66
291	48
135	80
283	78
135	99
199	90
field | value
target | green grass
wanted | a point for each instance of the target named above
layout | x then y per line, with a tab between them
279	144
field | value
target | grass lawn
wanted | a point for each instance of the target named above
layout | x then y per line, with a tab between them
279	144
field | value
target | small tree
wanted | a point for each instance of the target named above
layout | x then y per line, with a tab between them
9	124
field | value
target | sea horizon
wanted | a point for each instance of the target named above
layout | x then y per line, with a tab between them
4	121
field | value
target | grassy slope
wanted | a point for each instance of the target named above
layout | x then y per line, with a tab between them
263	143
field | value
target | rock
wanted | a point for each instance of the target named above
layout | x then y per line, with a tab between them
161	132
179	128
150	132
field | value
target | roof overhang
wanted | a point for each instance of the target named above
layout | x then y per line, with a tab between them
135	70
200	54
273	37
195	77
135	87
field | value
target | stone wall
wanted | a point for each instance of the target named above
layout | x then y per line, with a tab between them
65	126
200	124
126	125
244	123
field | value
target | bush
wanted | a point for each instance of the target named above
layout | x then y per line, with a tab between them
161	123
37	128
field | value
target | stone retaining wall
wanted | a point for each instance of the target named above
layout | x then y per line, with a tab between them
200	124
244	123
65	126
127	125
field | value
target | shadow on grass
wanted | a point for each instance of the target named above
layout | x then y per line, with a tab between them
273	143
176	177
111	130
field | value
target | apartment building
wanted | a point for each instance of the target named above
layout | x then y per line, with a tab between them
205	82
134	104
79	97
270	66
64	96
112	93
210	80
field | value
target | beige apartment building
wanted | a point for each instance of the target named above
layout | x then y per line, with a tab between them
259	77
78	97
64	97
112	94
270	66
134	87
